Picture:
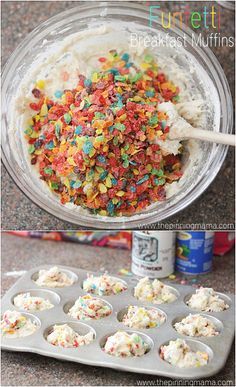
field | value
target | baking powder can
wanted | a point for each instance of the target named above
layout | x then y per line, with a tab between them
194	252
153	253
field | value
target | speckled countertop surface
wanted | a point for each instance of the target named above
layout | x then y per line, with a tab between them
20	369
215	206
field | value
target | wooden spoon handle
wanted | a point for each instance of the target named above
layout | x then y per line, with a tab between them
207	135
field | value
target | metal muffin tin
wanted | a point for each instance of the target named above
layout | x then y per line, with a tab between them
217	347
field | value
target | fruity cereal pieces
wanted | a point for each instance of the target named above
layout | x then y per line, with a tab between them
94	144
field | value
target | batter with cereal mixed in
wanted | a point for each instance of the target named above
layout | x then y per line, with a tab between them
14	325
53	278
95	113
143	318
96	144
64	336
104	285
178	353
207	300
123	344
31	303
153	291
89	308
196	325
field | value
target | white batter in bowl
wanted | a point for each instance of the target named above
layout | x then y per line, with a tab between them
186	66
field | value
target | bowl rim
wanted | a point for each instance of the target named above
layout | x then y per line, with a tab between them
140	219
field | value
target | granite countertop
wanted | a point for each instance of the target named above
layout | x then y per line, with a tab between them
215	206
25	369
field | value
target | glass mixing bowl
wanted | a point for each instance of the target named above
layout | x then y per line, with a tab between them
227	4
77	19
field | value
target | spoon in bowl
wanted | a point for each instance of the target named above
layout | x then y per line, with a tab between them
180	129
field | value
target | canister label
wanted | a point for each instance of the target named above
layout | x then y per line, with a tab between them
194	252
153	253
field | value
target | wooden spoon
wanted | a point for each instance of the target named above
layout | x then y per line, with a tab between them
180	129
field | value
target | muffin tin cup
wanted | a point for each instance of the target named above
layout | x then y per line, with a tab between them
92	354
49	295
223	296
124	311
79	327
217	323
68	305
70	274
